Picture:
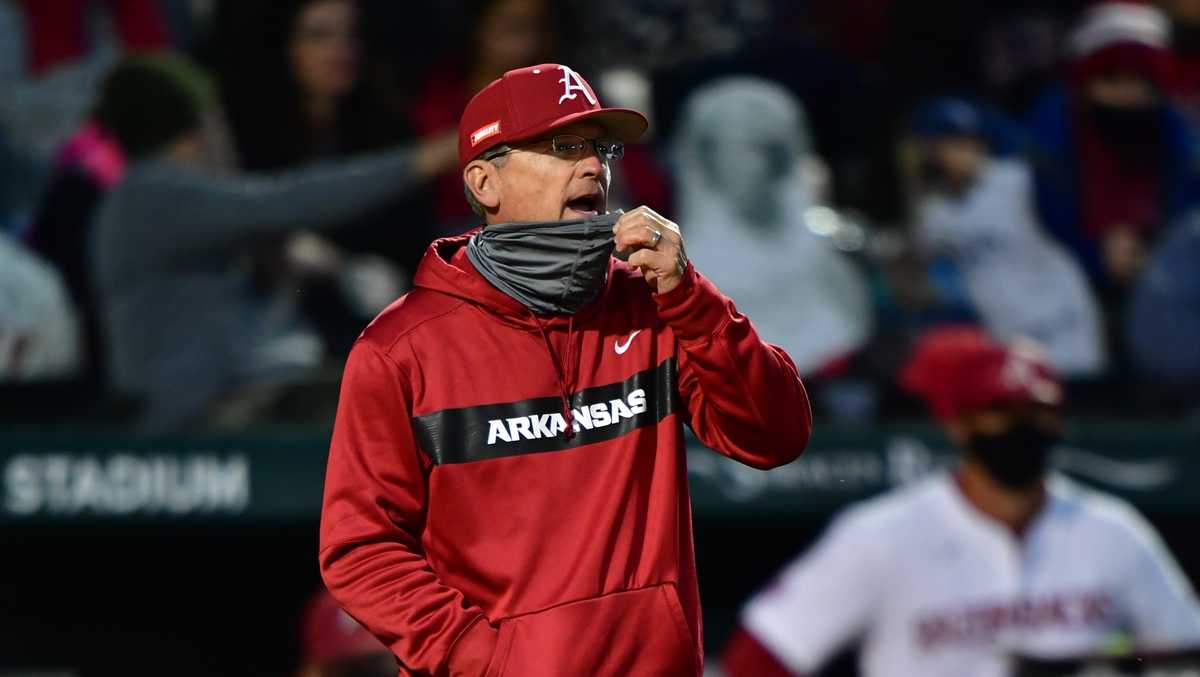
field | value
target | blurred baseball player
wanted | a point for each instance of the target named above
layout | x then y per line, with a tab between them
953	576
507	484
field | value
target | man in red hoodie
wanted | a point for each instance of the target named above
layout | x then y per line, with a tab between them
507	485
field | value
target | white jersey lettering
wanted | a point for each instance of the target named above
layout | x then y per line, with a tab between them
637	401
586	417
520	427
497	430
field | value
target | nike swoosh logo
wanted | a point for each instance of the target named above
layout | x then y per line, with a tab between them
621	348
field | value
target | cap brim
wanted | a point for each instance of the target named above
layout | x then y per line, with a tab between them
625	124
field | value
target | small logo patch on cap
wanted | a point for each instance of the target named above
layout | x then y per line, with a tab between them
490	129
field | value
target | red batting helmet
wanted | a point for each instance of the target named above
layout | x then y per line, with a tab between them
960	369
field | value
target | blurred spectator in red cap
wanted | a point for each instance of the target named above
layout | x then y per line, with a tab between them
334	645
1117	158
57	28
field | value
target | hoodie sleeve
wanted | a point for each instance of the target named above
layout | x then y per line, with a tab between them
371	555
176	212
743	396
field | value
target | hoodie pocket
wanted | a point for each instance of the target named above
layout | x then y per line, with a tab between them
635	632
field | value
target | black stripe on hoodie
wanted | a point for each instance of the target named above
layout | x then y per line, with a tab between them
537	425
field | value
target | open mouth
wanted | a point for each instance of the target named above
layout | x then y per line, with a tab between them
585	206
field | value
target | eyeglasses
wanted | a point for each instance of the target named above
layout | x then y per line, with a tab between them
568	147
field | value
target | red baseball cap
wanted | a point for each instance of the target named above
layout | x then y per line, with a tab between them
329	634
959	369
527	102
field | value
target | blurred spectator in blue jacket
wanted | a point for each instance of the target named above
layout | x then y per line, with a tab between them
976	211
1116	158
1163	325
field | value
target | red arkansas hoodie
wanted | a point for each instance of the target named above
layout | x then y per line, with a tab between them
507	494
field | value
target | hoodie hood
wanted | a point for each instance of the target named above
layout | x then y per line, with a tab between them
445	269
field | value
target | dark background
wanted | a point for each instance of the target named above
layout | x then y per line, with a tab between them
222	599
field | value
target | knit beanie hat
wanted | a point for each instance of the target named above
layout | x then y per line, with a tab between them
148	101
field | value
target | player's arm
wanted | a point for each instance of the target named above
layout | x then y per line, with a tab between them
1160	604
370	554
816	607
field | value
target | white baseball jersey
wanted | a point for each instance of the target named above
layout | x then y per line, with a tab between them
932	587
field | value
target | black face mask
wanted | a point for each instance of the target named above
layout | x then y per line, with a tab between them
1017	457
1132	130
551	267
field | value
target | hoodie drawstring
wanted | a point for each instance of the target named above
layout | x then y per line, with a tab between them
565	385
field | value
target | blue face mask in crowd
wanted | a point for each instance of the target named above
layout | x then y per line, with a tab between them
551	267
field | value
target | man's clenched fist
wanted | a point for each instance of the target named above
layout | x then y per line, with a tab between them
653	246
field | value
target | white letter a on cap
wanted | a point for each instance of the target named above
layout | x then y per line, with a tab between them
573	83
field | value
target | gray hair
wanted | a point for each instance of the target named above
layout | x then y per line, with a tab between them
472	202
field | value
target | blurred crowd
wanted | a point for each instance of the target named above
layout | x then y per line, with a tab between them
202	202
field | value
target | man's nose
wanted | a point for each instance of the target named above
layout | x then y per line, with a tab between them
590	165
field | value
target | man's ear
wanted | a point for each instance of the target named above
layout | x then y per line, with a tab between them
483	180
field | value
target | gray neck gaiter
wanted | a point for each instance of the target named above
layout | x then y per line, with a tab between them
551	267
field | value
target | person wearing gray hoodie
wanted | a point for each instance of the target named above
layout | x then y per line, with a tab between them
171	244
